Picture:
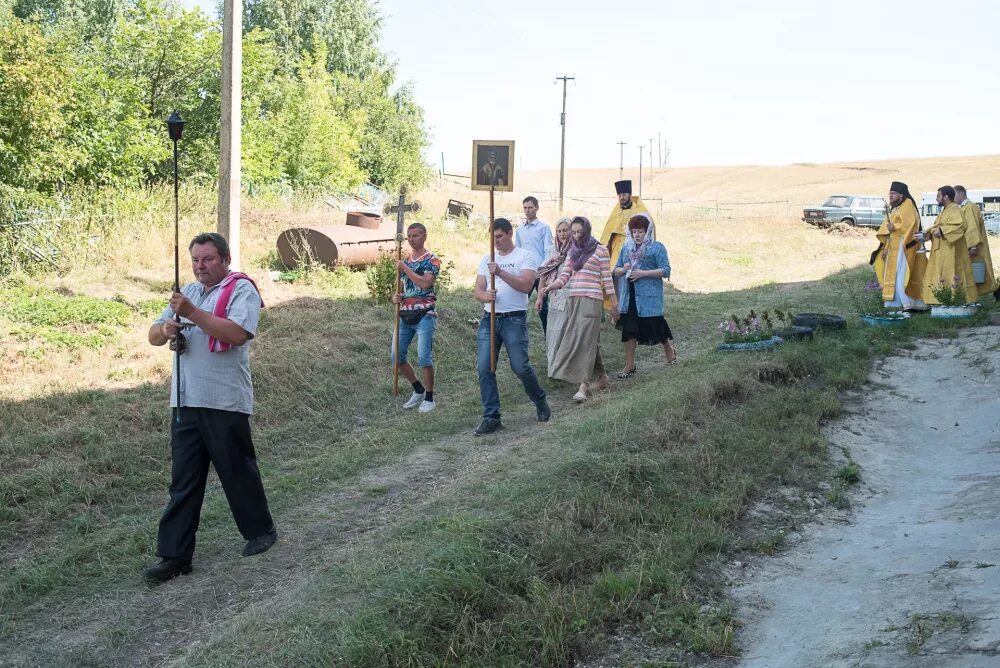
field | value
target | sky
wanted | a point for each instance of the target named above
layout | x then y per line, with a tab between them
719	82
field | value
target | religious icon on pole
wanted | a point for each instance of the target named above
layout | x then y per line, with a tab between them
493	165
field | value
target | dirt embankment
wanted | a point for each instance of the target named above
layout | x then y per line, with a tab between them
914	578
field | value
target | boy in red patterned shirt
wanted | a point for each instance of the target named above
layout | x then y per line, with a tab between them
418	316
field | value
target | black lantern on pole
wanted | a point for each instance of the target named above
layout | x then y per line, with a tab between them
175	128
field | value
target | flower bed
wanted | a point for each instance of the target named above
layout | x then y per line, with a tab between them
884	320
753	332
965	311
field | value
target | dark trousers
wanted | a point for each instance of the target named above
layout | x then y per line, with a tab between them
221	438
543	315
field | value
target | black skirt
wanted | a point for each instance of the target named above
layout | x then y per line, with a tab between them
650	331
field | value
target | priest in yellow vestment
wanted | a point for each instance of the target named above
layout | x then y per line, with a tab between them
975	239
615	231
898	266
949	256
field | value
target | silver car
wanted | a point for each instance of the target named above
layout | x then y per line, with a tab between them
863	210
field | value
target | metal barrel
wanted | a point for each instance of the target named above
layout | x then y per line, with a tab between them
334	245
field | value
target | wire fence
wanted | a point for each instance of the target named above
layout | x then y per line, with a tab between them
29	238
598	207
717	210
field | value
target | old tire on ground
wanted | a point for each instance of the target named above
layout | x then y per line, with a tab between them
794	332
819	321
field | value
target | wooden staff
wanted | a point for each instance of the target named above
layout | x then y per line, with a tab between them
400	210
399	291
493	286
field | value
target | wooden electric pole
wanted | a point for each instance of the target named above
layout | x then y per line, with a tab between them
621	160
229	141
640	170
659	148
562	150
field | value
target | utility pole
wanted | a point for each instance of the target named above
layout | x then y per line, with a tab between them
621	160
659	148
562	151
231	124
650	159
668	157
640	170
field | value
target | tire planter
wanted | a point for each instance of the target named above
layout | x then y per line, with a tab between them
819	321
794	333
880	321
954	311
766	344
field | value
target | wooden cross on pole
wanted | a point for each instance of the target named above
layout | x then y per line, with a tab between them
400	210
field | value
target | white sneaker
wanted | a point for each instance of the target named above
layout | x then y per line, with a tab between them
414	400
426	406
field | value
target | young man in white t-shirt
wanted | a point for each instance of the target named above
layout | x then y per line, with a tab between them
514	272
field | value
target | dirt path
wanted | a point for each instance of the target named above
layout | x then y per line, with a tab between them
913	579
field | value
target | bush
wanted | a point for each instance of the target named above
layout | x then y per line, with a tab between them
381	278
950	295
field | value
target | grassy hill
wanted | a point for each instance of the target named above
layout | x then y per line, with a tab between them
404	540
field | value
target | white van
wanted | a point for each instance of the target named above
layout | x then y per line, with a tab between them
988	201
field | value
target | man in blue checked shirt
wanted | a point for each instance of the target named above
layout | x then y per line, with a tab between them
535	236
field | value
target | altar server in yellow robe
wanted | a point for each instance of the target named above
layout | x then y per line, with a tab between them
615	231
975	239
900	268
949	256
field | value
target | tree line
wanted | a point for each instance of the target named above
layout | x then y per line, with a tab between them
85	86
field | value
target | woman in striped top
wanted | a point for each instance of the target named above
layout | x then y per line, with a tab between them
587	279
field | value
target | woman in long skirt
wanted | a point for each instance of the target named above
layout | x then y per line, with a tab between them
557	300
587	279
642	265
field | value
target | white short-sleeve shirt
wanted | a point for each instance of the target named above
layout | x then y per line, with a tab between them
218	380
514	262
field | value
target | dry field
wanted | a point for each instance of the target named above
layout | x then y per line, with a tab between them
800	184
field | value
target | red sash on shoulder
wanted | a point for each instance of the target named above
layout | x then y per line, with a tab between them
222	305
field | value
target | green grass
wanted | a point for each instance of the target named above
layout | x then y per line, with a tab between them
849	473
922	627
605	519
36	306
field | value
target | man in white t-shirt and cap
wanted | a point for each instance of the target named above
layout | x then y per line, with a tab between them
515	272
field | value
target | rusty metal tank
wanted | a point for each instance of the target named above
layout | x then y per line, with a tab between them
332	245
369	221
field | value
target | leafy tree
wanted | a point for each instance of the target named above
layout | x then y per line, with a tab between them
93	17
393	134
347	30
85	86
173	60
34	151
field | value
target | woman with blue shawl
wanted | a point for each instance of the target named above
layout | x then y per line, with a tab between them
642	265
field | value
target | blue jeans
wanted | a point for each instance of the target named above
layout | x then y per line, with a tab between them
424	331
511	331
